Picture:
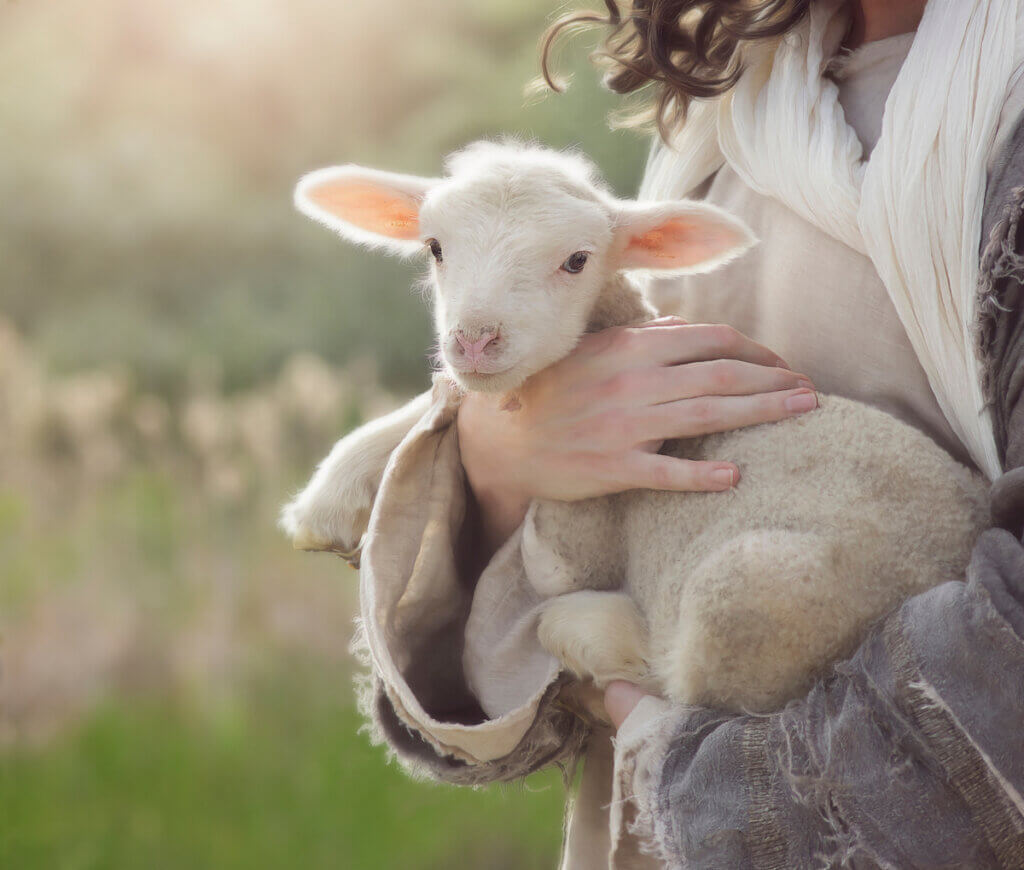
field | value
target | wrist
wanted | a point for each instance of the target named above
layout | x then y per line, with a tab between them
501	504
501	509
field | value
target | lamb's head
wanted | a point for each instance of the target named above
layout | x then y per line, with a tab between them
523	242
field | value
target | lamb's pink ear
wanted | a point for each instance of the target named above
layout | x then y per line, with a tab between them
367	206
679	237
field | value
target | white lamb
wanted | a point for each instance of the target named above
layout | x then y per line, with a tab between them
735	600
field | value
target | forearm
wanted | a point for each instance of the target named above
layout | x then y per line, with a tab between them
497	504
498	513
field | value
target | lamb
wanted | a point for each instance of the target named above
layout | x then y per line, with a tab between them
736	600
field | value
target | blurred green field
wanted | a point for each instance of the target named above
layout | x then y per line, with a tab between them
279	780
177	349
176	689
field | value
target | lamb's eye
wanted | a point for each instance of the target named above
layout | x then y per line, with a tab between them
435	249
576	262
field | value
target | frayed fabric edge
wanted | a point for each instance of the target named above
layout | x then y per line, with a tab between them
1000	261
556	737
641	747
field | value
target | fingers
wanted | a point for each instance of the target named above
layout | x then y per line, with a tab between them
688	418
654	471
720	377
619	700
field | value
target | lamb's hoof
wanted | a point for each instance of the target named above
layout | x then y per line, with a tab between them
304	539
596	635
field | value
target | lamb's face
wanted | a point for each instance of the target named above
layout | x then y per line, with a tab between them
524	240
519	260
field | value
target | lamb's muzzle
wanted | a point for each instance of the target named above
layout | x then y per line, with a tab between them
471	351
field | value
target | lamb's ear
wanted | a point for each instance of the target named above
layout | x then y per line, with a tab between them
367	206
678	238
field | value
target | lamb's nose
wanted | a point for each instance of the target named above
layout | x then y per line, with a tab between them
474	349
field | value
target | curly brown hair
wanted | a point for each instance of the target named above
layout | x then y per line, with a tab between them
685	49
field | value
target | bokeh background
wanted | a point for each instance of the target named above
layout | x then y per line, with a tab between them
177	349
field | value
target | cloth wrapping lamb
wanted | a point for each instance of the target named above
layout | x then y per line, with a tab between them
414	607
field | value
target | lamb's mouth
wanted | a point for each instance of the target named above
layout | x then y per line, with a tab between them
480	368
489	382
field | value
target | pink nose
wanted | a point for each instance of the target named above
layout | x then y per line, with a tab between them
474	349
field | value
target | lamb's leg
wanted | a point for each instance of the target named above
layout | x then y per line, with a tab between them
763	616
333	511
568	547
600	635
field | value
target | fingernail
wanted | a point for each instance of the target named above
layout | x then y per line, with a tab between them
806	384
800	402
723	477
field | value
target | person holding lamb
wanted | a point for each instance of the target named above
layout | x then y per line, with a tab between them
877	152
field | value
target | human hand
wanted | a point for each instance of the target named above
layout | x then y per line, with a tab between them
620	698
592	423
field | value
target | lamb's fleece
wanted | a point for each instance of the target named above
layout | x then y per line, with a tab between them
747	596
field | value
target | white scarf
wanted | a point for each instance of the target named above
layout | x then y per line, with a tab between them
916	207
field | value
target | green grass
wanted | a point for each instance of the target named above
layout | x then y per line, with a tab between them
280	780
225	735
